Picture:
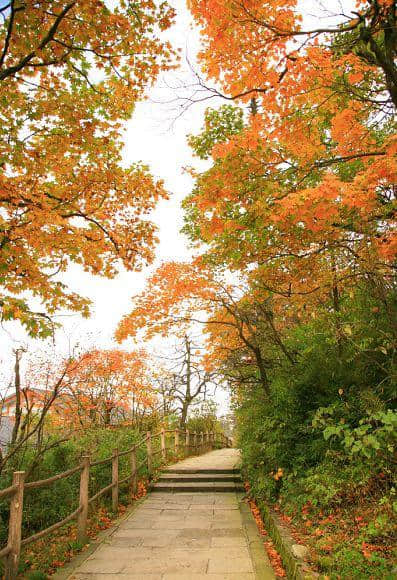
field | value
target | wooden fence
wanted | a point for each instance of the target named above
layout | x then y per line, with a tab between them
183	442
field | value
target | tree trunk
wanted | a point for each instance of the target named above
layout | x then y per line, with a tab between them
262	371
187	399
17	385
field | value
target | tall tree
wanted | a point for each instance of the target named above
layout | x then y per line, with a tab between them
193	380
303	194
70	75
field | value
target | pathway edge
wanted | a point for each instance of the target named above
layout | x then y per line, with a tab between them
296	568
262	567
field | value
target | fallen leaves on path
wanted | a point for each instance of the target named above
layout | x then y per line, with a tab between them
274	556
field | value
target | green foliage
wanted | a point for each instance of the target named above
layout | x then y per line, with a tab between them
326	435
36	575
220	124
374	439
203	418
350	563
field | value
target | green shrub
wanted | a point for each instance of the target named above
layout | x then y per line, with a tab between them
325	436
36	575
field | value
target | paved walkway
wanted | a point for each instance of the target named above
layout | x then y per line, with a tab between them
184	536
220	459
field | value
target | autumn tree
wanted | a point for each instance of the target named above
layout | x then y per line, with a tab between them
37	390
193	381
304	194
109	386
70	75
276	35
299	200
236	319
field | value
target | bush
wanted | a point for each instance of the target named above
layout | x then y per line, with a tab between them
326	435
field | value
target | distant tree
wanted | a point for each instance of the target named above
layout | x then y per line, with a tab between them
109	386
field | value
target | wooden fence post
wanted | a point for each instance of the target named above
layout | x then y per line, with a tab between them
201	441
149	453
115	480
15	526
187	449
194	442
176	441
163	446
134	473
84	494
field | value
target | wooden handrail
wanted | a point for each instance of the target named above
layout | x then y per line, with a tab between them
101	492
101	461
7	491
52	528
44	482
122	453
15	526
190	442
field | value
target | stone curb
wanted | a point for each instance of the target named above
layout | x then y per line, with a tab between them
296	568
263	568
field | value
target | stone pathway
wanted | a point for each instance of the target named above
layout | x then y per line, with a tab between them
184	536
220	459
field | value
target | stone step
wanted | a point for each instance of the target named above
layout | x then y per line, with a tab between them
200	477
197	486
201	471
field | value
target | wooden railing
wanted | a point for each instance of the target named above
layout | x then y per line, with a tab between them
183	442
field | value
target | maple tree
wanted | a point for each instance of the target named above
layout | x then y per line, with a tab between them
236	321
304	194
70	75
275	35
299	203
108	386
